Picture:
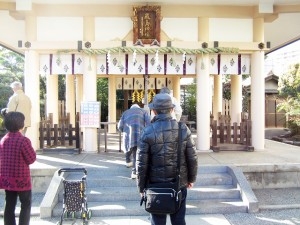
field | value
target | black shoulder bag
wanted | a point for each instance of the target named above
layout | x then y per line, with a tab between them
165	198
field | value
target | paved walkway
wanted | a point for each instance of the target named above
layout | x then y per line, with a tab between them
287	201
274	153
138	220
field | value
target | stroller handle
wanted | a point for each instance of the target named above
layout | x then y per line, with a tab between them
72	170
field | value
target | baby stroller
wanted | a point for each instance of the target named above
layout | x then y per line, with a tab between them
75	200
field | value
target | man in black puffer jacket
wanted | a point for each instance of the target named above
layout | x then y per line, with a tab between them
157	156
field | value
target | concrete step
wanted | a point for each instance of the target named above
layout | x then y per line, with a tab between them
110	192
209	179
117	194
132	208
212	169
120	170
111	179
35	211
217	192
35	207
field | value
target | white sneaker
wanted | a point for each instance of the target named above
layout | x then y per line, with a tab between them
133	176
130	164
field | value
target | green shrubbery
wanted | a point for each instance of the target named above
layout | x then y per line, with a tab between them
289	90
1	122
2	128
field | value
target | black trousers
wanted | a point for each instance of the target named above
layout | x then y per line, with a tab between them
132	151
11	198
177	218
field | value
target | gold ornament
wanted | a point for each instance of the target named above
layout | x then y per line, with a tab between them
135	95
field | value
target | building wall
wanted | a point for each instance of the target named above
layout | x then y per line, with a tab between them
117	28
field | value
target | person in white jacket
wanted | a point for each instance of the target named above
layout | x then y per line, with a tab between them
20	102
177	112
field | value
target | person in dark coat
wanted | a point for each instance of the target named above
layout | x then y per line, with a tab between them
16	154
157	156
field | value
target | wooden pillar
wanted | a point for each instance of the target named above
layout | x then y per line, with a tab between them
258	88
258	100
52	97
204	99
78	92
112	99
70	97
89	84
89	94
126	98
32	81
203	103
236	98
32	89
176	88
218	96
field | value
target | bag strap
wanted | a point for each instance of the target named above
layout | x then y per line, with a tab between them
179	153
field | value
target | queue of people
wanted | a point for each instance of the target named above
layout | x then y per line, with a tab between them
150	147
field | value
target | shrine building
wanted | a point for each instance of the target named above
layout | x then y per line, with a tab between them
142	46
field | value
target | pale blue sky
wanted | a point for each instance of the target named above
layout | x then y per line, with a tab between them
280	60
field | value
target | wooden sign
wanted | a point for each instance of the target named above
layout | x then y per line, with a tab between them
146	24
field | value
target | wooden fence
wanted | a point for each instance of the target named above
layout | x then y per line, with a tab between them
62	134
231	137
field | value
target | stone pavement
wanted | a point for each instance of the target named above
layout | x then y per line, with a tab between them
138	220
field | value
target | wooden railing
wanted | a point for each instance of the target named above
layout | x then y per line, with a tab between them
231	134
105	124
64	134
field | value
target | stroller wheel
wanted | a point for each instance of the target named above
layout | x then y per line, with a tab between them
89	214
69	215
78	215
